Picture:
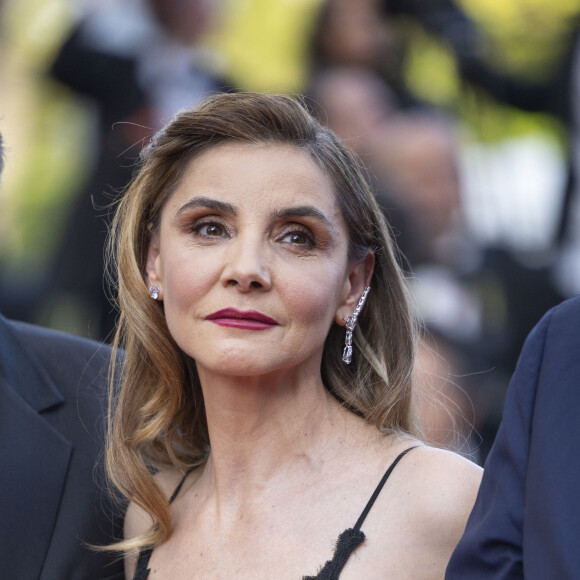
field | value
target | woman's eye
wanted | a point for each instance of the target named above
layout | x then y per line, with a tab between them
298	238
210	229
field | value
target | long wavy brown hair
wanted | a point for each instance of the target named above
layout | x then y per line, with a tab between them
157	415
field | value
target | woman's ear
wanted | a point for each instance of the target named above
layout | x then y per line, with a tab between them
153	264
359	278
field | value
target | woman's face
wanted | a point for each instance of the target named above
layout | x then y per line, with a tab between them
251	258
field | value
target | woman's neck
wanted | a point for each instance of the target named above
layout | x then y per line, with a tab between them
270	428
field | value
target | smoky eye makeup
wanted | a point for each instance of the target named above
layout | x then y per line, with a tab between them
304	211
209	227
303	228
205	217
209	204
298	235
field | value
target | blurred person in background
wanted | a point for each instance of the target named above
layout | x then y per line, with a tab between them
53	499
414	159
370	34
354	102
137	63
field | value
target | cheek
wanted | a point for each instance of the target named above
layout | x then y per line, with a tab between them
185	283
315	298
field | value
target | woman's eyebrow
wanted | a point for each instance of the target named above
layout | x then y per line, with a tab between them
303	211
208	203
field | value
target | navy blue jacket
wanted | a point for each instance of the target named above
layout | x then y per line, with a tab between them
526	520
52	500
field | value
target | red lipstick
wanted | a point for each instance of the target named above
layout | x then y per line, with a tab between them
242	319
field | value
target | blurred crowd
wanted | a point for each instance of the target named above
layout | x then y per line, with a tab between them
488	227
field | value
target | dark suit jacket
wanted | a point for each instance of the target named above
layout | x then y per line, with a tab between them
52	402
526	520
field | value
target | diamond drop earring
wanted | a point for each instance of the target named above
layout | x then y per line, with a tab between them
350	324
154	292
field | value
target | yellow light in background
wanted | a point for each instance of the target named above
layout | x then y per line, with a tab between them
45	132
430	70
264	43
527	36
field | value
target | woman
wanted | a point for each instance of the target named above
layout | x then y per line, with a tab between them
245	244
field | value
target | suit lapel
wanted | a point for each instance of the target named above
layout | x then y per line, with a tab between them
34	457
21	369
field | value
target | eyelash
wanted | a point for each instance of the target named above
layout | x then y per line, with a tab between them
198	226
310	239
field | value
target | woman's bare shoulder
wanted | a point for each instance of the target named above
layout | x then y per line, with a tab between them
444	463
422	513
444	486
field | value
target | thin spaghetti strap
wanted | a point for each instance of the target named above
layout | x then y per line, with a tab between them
352	538
141	570
178	488
377	491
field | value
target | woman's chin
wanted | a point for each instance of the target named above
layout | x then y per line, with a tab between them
243	366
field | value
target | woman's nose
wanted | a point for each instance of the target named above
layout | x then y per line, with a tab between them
246	266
